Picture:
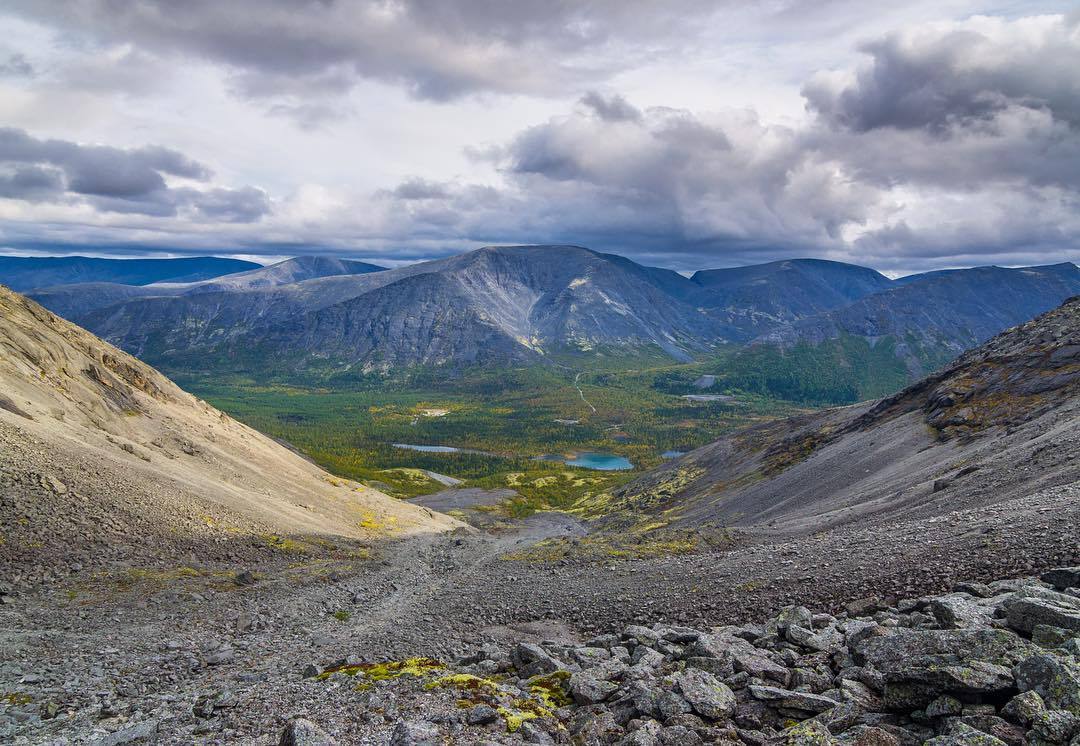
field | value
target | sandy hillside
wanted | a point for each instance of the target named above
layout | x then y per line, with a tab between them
87	429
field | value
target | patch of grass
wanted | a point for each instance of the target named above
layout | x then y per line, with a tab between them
341	615
285	544
386	670
551	690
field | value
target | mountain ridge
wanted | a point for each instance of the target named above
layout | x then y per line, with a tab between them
520	304
26	273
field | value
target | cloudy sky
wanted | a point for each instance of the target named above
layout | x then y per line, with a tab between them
683	133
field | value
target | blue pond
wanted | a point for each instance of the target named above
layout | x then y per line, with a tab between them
672	454
598	461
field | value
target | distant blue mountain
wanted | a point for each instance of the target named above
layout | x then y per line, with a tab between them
24	273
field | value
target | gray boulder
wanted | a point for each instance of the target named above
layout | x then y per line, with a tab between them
706	694
965	735
1024	707
532	660
1062	577
587	689
301	732
1027	608
791	700
1054	678
415	733
1056	726
959	610
919	665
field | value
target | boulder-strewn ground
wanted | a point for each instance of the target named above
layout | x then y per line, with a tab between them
204	652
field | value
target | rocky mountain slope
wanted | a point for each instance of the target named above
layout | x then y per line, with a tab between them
98	451
940	313
24	273
757	298
517	304
1002	420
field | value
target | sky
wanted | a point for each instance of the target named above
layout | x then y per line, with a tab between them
685	133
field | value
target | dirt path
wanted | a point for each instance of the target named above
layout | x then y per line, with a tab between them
582	393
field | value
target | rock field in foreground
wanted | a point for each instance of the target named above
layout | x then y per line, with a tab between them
985	664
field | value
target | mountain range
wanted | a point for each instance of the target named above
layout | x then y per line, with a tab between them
24	273
522	304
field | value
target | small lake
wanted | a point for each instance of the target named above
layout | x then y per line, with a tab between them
588	460
438	449
598	461
672	454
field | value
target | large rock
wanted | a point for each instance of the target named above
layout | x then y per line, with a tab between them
1030	607
806	733
959	610
415	733
1056	726
790	700
792	616
965	735
1062	577
301	732
706	694
532	660
1054	678
587	689
919	665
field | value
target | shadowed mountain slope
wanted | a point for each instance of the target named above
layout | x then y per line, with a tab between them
759	297
941	312
1001	421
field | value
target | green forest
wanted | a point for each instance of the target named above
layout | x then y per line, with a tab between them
632	407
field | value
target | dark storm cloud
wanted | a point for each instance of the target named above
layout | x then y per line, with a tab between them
960	77
438	49
31	183
954	140
117	180
245	205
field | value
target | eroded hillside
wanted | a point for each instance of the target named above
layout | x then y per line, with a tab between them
97	448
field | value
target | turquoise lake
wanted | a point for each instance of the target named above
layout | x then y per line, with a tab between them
598	461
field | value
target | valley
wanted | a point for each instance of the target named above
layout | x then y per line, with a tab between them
410	555
579	373
502	422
